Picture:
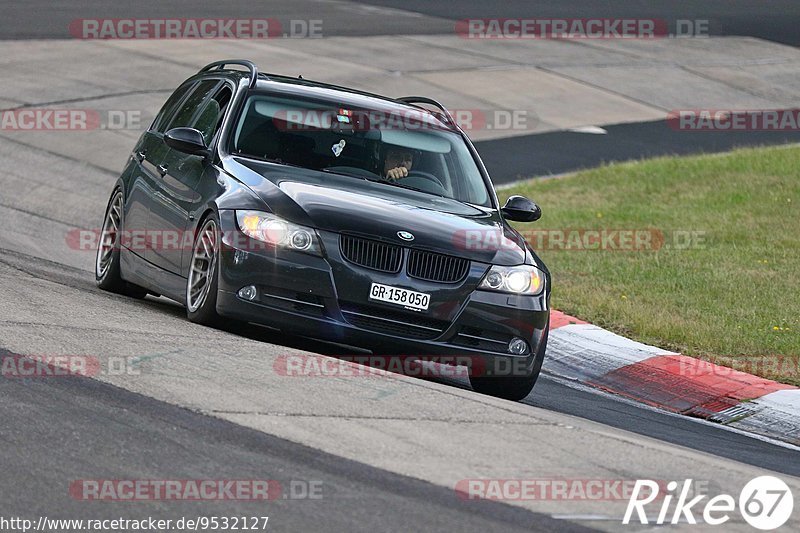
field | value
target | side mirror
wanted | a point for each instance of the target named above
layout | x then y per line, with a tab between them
187	140
521	209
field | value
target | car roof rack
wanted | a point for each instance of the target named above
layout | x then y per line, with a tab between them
430	101
220	65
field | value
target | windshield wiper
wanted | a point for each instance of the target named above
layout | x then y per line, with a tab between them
270	160
384	181
349	175
409	187
329	171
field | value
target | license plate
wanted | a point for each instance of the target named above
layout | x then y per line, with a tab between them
395	295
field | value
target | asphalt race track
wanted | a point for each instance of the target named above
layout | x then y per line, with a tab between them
114	430
209	404
778	21
558	152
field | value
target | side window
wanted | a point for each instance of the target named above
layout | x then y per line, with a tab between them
187	110
210	117
162	119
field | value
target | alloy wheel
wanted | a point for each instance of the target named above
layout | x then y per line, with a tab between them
204	260
109	237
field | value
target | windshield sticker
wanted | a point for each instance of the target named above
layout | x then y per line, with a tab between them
338	147
344	116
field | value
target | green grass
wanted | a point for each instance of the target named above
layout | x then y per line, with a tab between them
733	299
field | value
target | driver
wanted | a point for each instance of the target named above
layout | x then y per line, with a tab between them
398	163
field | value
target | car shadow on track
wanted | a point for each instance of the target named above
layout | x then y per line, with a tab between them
259	333
274	336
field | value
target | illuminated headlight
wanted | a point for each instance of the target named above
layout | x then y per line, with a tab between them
522	279
271	229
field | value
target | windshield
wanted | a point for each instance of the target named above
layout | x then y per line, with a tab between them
407	152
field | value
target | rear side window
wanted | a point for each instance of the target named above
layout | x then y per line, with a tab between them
189	107
162	119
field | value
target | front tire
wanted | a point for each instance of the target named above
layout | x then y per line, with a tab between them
202	282
512	387
107	263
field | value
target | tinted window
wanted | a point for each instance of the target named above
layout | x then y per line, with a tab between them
162	119
210	117
189	107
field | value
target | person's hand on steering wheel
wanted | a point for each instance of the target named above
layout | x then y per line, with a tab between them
397	164
396	173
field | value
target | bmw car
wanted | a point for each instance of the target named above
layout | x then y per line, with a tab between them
331	213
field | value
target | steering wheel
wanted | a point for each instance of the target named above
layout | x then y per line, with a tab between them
425	175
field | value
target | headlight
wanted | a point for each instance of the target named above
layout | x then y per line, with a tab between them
271	229
523	279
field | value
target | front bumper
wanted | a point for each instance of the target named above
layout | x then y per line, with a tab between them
326	298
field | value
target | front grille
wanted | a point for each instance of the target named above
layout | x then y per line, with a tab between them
371	254
383	320
436	267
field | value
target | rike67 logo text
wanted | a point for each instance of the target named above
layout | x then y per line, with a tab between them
765	503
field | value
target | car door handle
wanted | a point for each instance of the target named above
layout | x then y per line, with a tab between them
140	156
162	170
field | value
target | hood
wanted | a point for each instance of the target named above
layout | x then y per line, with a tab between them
343	204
